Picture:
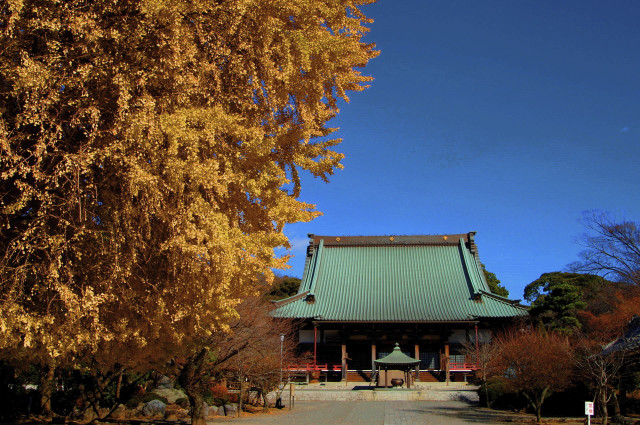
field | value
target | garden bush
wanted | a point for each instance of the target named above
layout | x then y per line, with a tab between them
500	397
217	395
15	398
183	402
144	398
567	403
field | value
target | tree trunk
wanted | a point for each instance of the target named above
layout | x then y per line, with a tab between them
605	410
119	385
536	401
240	398
190	379
46	389
486	394
616	404
539	413
196	409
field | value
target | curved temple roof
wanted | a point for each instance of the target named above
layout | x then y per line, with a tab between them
397	358
395	279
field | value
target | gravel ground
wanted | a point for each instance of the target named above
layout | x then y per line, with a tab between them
378	413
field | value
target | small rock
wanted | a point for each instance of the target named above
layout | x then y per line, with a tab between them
210	411
120	412
89	415
231	410
164	383
171	394
174	412
154	408
103	412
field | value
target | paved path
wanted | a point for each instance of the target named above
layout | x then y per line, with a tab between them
375	413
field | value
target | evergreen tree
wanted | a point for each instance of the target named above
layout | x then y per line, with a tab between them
494	283
557	297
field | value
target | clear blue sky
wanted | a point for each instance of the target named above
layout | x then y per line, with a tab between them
509	118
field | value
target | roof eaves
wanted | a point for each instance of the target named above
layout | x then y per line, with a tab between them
472	263
285	301
306	274
315	270
503	299
467	268
393	240
630	341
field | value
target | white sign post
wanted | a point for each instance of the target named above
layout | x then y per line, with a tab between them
588	410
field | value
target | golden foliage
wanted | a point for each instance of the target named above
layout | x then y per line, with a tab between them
150	152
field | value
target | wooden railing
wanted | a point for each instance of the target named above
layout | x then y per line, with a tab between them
308	367
462	366
328	367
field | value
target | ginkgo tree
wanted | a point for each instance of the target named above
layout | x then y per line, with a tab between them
150	159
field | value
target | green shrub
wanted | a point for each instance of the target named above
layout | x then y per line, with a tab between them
183	402
144	398
569	402
15	399
492	389
133	402
500	396
217	402
63	402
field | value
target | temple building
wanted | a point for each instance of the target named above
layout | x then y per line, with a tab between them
360	295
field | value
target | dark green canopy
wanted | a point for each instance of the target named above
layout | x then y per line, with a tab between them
396	358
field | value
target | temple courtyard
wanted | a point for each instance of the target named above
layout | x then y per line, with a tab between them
385	413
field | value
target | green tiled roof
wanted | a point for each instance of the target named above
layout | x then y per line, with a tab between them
395	279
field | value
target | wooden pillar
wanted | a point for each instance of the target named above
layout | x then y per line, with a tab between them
373	356
477	348
446	362
315	345
386	377
344	360
322	356
417	356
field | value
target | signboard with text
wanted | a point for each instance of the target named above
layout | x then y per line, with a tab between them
588	408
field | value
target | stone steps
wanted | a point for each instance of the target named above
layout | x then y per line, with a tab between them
366	393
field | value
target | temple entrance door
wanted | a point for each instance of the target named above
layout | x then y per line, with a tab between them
429	360
359	356
330	354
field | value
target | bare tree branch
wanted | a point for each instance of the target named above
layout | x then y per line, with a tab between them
612	248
